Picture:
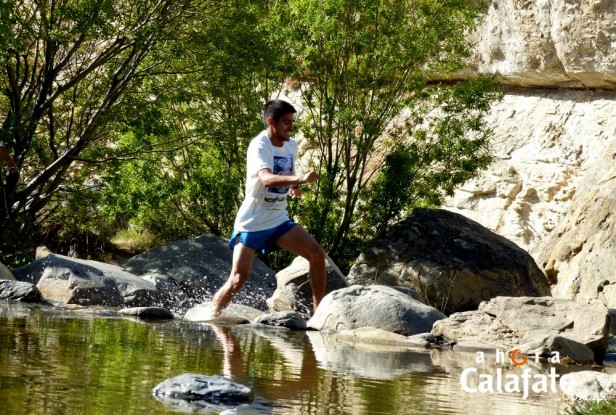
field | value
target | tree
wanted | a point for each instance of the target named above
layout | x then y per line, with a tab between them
66	66
375	77
202	116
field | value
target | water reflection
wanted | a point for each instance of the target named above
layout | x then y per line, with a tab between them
372	379
66	361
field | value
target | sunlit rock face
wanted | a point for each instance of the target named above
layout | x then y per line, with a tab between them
550	189
549	43
548	145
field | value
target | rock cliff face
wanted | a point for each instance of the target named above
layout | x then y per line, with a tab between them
550	43
552	188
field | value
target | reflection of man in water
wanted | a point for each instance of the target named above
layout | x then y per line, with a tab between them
233	367
262	222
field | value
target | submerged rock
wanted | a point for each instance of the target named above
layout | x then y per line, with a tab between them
232	314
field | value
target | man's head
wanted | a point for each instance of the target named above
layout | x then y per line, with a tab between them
276	109
279	118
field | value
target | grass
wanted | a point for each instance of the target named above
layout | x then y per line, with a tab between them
594	408
132	240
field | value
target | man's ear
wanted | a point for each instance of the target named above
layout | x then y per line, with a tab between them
270	121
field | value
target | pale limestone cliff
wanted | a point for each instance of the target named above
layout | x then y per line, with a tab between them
551	189
550	43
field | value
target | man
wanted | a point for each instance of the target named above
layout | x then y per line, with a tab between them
262	222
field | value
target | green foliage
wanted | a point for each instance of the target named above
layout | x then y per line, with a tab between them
137	115
187	178
65	67
372	98
604	407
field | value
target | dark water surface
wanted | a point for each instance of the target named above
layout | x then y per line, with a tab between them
82	362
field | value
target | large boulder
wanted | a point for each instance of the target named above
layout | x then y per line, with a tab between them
75	281
198	268
374	306
453	262
539	325
293	291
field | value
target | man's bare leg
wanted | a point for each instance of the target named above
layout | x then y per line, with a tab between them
240	269
300	242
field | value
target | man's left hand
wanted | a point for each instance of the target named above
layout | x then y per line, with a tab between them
295	192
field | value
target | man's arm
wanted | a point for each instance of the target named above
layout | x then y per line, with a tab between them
269	179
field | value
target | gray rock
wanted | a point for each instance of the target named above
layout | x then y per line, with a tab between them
453	262
76	281
293	291
290	320
172	296
544	346
199	267
233	314
147	312
542	325
19	291
5	273
588	385
545	44
211	389
374	306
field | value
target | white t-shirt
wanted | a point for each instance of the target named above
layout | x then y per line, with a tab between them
265	207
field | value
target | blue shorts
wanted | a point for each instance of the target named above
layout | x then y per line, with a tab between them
264	241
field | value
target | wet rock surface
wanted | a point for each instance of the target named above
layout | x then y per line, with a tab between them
200	391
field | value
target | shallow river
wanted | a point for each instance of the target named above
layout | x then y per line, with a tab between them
79	361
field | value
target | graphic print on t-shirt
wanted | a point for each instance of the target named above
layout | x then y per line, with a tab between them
283	166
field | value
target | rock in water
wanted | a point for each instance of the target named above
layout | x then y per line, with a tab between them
190	387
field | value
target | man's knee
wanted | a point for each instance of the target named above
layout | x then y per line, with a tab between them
316	254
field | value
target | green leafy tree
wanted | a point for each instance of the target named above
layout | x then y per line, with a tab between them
206	109
376	92
65	66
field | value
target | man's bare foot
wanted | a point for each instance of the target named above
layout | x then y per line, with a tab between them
207	312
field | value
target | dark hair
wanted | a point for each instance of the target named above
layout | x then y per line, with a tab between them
276	109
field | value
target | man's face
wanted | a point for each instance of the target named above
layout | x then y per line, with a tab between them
284	127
